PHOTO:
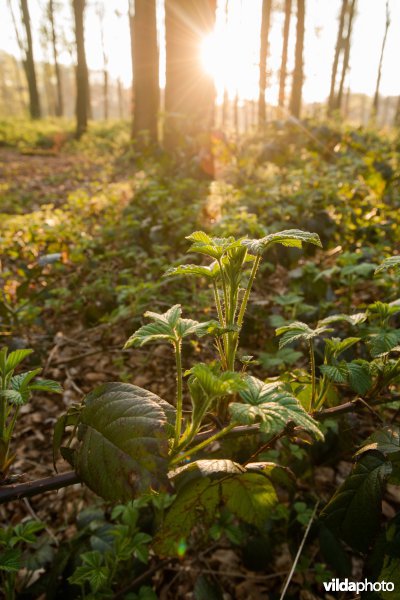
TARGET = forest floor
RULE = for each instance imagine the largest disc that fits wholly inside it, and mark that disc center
(85, 240)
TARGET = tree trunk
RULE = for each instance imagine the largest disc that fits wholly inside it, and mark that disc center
(265, 24)
(100, 14)
(338, 48)
(297, 85)
(60, 101)
(145, 73)
(82, 79)
(120, 99)
(29, 64)
(375, 104)
(225, 101)
(285, 44)
(189, 91)
(346, 56)
(397, 115)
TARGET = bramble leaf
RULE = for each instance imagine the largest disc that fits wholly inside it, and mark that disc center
(393, 262)
(382, 343)
(272, 408)
(124, 435)
(209, 271)
(298, 331)
(354, 510)
(385, 440)
(290, 237)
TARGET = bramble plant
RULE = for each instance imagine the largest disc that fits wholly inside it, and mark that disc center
(16, 390)
(130, 440)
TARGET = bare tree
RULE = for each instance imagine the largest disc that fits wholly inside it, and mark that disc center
(346, 55)
(338, 49)
(225, 101)
(82, 78)
(397, 114)
(60, 100)
(342, 51)
(189, 91)
(265, 26)
(100, 14)
(285, 44)
(375, 103)
(29, 64)
(145, 72)
(298, 76)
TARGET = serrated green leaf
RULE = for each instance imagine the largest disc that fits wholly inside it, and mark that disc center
(359, 378)
(360, 270)
(382, 343)
(199, 236)
(209, 271)
(212, 246)
(170, 317)
(250, 496)
(298, 331)
(355, 319)
(46, 385)
(15, 358)
(291, 237)
(15, 397)
(385, 440)
(354, 510)
(213, 469)
(22, 380)
(393, 262)
(124, 441)
(273, 409)
(336, 346)
(10, 560)
(216, 384)
(196, 502)
(337, 373)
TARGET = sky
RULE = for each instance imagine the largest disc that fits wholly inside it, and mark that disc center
(231, 54)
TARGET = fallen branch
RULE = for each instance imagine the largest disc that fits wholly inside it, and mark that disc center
(17, 491)
(55, 482)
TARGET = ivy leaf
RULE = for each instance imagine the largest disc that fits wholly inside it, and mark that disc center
(272, 408)
(209, 271)
(354, 511)
(382, 343)
(298, 331)
(385, 440)
(123, 436)
(290, 237)
(393, 262)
